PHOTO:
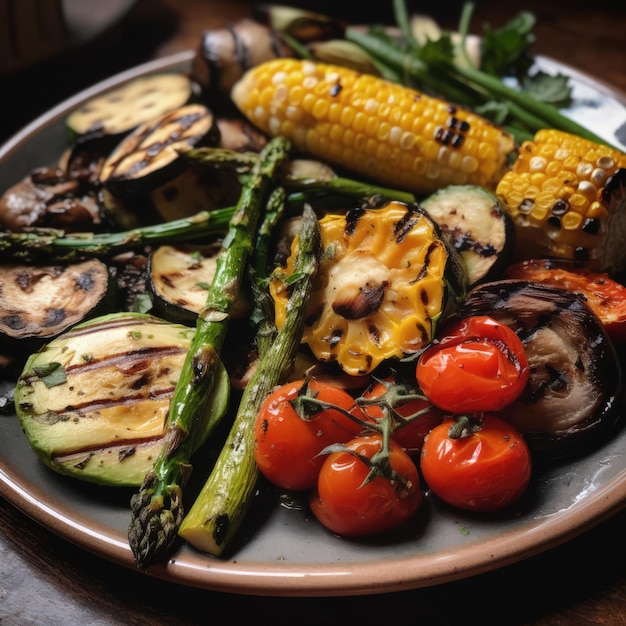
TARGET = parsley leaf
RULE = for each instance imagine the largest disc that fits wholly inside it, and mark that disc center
(504, 51)
(51, 374)
(553, 89)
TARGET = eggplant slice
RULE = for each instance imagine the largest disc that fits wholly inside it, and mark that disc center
(37, 303)
(574, 395)
(149, 157)
(121, 110)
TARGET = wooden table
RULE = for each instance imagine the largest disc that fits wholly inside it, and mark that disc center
(45, 580)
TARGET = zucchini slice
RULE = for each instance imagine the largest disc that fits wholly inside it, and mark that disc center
(94, 401)
(121, 110)
(38, 303)
(149, 156)
(476, 224)
(179, 279)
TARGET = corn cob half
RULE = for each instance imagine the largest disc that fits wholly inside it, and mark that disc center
(567, 198)
(392, 134)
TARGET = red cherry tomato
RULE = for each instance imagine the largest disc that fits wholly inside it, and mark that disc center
(287, 446)
(350, 507)
(604, 296)
(410, 435)
(478, 365)
(483, 471)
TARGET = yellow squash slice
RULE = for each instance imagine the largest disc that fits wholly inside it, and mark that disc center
(386, 278)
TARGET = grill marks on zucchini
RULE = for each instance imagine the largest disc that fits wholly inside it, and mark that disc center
(105, 422)
(179, 279)
(149, 156)
(477, 226)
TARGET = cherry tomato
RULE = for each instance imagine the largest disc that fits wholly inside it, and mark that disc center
(350, 507)
(483, 471)
(287, 446)
(478, 365)
(410, 435)
(604, 296)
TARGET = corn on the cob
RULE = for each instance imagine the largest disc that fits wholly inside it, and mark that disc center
(392, 134)
(566, 196)
(386, 279)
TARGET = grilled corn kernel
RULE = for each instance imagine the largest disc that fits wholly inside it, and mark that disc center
(390, 133)
(381, 288)
(565, 195)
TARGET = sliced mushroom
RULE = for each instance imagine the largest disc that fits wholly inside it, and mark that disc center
(47, 198)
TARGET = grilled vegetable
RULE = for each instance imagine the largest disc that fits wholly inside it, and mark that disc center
(46, 243)
(121, 110)
(148, 157)
(193, 191)
(219, 510)
(603, 295)
(48, 198)
(157, 509)
(40, 302)
(55, 244)
(179, 279)
(200, 188)
(239, 135)
(93, 402)
(574, 395)
(476, 225)
(393, 134)
(566, 196)
(504, 54)
(226, 53)
(387, 278)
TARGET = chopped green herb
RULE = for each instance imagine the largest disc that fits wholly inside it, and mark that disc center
(51, 374)
(142, 303)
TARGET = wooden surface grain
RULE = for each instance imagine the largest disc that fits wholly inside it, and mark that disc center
(46, 580)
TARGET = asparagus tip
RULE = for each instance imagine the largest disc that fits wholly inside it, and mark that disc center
(155, 520)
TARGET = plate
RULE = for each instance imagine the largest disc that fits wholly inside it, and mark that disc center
(283, 551)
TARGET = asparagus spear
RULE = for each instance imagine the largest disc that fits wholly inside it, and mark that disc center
(300, 188)
(157, 509)
(55, 244)
(47, 243)
(221, 505)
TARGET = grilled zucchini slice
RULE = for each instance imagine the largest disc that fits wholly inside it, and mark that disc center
(179, 279)
(119, 111)
(38, 303)
(149, 157)
(478, 227)
(94, 401)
